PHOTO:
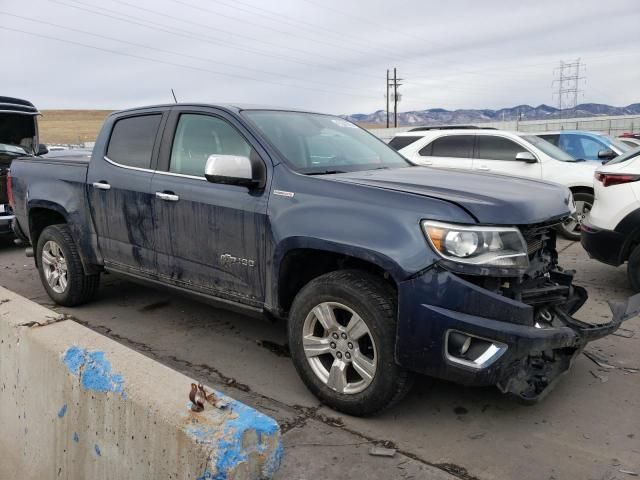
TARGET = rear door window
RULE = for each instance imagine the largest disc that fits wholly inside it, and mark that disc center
(497, 148)
(455, 146)
(398, 143)
(132, 140)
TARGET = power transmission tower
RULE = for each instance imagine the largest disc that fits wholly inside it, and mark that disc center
(568, 82)
(395, 96)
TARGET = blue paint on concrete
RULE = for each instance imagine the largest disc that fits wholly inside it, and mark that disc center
(74, 358)
(227, 449)
(207, 475)
(94, 370)
(97, 449)
(62, 411)
(76, 437)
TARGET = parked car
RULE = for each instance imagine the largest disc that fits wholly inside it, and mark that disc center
(381, 268)
(18, 136)
(633, 140)
(592, 146)
(508, 153)
(611, 232)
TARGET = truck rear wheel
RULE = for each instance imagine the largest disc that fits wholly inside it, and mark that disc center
(342, 330)
(61, 270)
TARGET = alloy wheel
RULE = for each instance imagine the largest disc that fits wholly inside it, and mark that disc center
(55, 267)
(339, 348)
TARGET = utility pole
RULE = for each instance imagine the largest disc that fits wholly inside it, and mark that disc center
(395, 98)
(568, 82)
(395, 83)
(387, 96)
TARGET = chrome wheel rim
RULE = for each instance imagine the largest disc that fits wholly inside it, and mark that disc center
(574, 222)
(54, 266)
(339, 348)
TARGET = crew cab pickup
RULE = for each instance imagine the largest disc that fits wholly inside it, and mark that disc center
(383, 269)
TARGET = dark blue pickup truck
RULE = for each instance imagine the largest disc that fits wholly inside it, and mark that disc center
(383, 269)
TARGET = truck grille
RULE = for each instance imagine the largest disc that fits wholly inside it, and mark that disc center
(535, 238)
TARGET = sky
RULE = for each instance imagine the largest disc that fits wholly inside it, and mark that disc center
(322, 55)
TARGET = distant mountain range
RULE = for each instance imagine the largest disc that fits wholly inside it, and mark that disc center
(434, 116)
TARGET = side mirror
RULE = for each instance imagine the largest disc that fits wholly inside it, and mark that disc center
(42, 149)
(526, 157)
(235, 170)
(607, 154)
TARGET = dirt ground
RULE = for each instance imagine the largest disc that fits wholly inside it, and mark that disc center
(70, 126)
(588, 428)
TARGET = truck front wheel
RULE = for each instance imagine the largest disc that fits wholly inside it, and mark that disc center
(61, 270)
(342, 330)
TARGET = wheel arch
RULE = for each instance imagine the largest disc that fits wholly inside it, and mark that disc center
(42, 214)
(307, 259)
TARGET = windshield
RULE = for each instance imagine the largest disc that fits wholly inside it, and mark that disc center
(313, 143)
(625, 156)
(548, 148)
(620, 145)
(12, 149)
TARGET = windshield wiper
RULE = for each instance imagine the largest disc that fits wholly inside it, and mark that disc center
(326, 172)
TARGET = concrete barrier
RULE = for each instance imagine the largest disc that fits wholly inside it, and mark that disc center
(75, 404)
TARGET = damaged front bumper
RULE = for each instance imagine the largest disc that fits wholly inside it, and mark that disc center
(453, 329)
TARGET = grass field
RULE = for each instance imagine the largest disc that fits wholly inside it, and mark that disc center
(79, 126)
(70, 126)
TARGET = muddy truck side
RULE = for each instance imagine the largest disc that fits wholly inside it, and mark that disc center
(384, 270)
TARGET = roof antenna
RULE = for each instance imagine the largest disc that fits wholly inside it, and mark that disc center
(174, 96)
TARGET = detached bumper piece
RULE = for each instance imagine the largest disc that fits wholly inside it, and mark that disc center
(537, 373)
(523, 349)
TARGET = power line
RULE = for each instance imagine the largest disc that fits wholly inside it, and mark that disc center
(187, 34)
(174, 64)
(179, 54)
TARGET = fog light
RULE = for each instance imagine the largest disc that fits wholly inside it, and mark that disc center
(459, 343)
(472, 351)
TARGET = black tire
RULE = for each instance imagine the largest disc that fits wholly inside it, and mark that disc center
(633, 269)
(571, 231)
(375, 302)
(80, 288)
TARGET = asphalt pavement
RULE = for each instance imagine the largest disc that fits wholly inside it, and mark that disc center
(587, 428)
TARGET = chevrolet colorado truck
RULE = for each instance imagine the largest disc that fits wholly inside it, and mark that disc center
(383, 269)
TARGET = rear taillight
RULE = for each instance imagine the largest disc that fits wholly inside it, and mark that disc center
(10, 191)
(609, 179)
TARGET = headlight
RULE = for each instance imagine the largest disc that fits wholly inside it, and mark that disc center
(478, 249)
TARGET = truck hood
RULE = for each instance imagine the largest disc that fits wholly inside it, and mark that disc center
(491, 199)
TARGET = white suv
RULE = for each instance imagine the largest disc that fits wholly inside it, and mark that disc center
(611, 231)
(507, 153)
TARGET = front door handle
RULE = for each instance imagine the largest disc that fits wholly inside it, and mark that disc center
(167, 196)
(483, 168)
(101, 185)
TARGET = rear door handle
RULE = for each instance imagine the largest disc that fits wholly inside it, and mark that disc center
(101, 185)
(169, 197)
(484, 168)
